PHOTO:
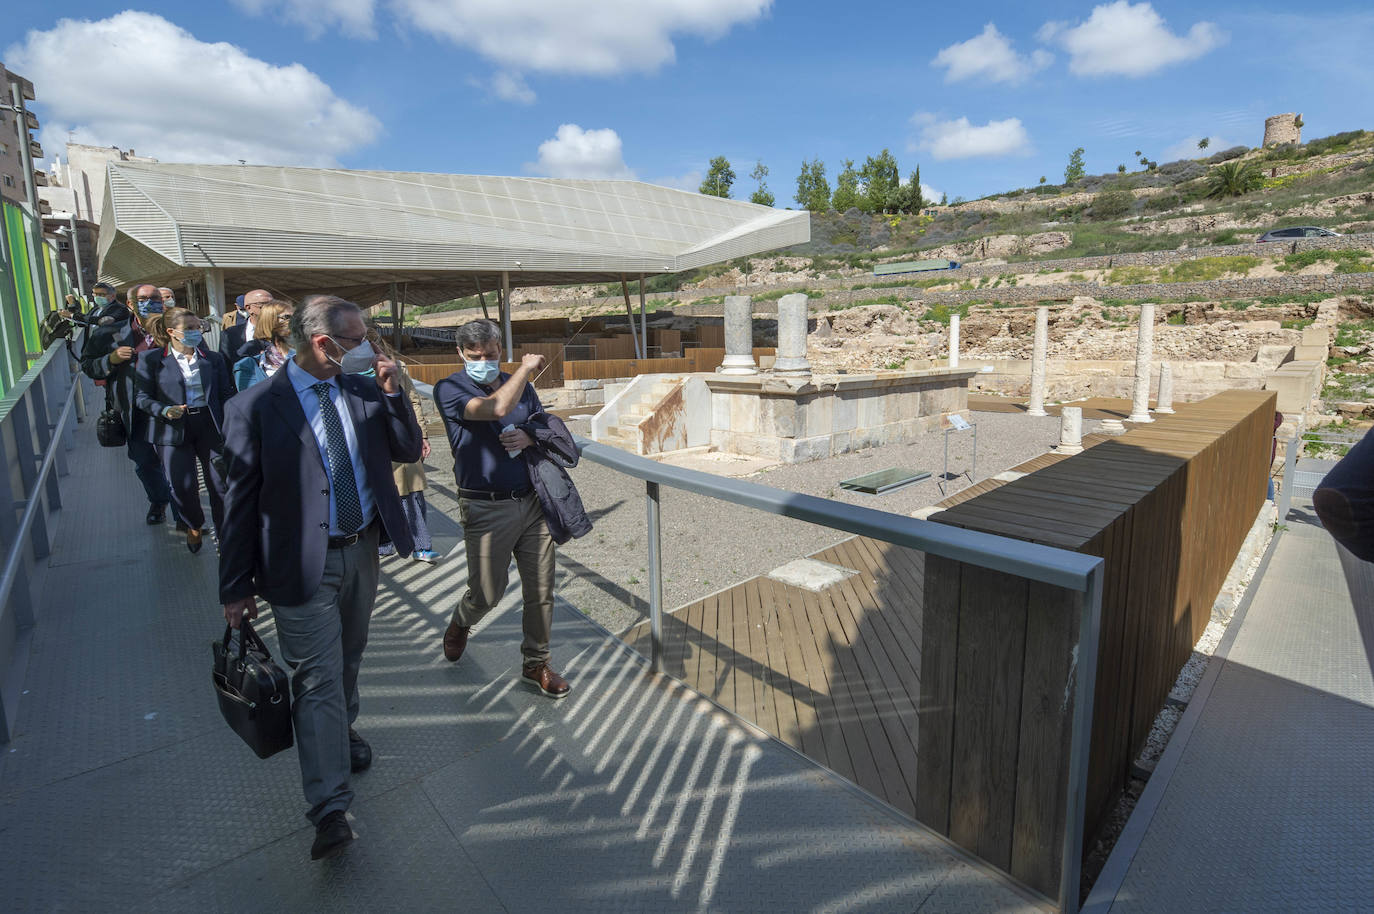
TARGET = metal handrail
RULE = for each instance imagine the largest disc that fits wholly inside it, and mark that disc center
(1059, 567)
(35, 500)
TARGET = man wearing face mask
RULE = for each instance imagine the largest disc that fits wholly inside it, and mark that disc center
(109, 354)
(497, 506)
(233, 337)
(310, 496)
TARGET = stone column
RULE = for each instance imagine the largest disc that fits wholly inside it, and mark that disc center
(954, 341)
(1071, 430)
(792, 314)
(1165, 402)
(739, 336)
(1042, 338)
(214, 292)
(1144, 345)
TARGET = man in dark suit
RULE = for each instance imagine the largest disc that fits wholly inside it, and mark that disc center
(109, 354)
(233, 336)
(310, 494)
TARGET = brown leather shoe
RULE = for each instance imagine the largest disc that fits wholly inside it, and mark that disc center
(543, 678)
(455, 640)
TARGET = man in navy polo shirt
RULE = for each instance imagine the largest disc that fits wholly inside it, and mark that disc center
(499, 510)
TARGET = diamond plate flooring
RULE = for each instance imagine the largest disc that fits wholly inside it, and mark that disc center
(1269, 807)
(124, 790)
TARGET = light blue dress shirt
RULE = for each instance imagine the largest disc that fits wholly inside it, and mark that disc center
(302, 381)
(191, 366)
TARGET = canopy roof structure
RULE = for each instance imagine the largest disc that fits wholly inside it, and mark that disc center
(353, 233)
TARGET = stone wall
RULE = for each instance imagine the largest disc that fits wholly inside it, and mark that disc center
(1203, 290)
(795, 421)
(1075, 379)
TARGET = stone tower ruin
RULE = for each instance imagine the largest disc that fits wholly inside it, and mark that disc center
(1282, 128)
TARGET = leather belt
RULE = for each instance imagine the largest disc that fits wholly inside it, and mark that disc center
(484, 495)
(196, 410)
(351, 539)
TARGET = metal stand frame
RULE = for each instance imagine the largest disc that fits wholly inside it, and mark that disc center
(971, 472)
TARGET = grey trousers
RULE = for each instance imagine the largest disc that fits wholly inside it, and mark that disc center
(493, 531)
(322, 640)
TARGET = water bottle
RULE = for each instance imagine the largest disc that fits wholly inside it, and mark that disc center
(511, 428)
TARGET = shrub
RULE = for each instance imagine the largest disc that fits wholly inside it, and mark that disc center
(1112, 204)
(1209, 268)
(1232, 179)
(1226, 155)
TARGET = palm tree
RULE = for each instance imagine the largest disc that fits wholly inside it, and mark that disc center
(1231, 179)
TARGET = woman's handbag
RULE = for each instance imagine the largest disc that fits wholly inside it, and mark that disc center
(254, 693)
(109, 425)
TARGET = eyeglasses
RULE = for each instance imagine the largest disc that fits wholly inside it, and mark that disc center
(351, 339)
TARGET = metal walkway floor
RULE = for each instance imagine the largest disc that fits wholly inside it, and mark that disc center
(124, 790)
(1263, 799)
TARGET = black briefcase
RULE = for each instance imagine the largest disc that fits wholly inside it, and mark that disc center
(254, 693)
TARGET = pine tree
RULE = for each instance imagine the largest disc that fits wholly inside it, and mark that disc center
(762, 196)
(846, 196)
(1074, 171)
(719, 177)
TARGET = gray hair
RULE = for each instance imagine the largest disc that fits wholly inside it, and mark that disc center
(477, 333)
(320, 314)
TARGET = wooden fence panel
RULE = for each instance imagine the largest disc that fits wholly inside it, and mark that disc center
(1167, 507)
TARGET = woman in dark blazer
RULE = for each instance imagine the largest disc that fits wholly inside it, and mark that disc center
(184, 386)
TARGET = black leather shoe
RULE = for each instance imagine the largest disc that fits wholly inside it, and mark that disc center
(332, 835)
(156, 514)
(359, 752)
(194, 540)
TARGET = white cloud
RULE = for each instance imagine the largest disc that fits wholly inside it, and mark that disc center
(577, 153)
(1125, 39)
(989, 56)
(507, 86)
(186, 100)
(352, 17)
(596, 37)
(689, 180)
(958, 139)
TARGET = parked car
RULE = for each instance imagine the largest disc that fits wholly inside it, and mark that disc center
(1298, 231)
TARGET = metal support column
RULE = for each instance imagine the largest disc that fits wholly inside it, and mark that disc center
(505, 316)
(630, 316)
(395, 319)
(643, 322)
(655, 579)
(76, 253)
(480, 297)
(214, 291)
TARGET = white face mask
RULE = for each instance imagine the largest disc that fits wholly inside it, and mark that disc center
(357, 360)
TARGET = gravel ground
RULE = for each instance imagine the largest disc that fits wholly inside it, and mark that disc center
(709, 545)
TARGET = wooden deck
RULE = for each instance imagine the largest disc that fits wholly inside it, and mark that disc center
(834, 674)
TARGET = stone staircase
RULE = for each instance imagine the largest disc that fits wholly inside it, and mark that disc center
(628, 432)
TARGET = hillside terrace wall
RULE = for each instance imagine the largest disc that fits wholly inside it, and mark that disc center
(1202, 290)
(837, 289)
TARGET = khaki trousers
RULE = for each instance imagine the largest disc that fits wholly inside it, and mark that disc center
(493, 531)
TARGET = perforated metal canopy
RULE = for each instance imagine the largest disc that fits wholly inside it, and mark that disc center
(355, 232)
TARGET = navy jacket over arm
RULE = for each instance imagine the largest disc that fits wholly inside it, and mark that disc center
(159, 383)
(276, 511)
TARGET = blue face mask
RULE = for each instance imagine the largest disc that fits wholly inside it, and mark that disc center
(148, 306)
(192, 338)
(101, 301)
(483, 372)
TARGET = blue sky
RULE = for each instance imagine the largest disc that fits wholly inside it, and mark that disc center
(984, 99)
